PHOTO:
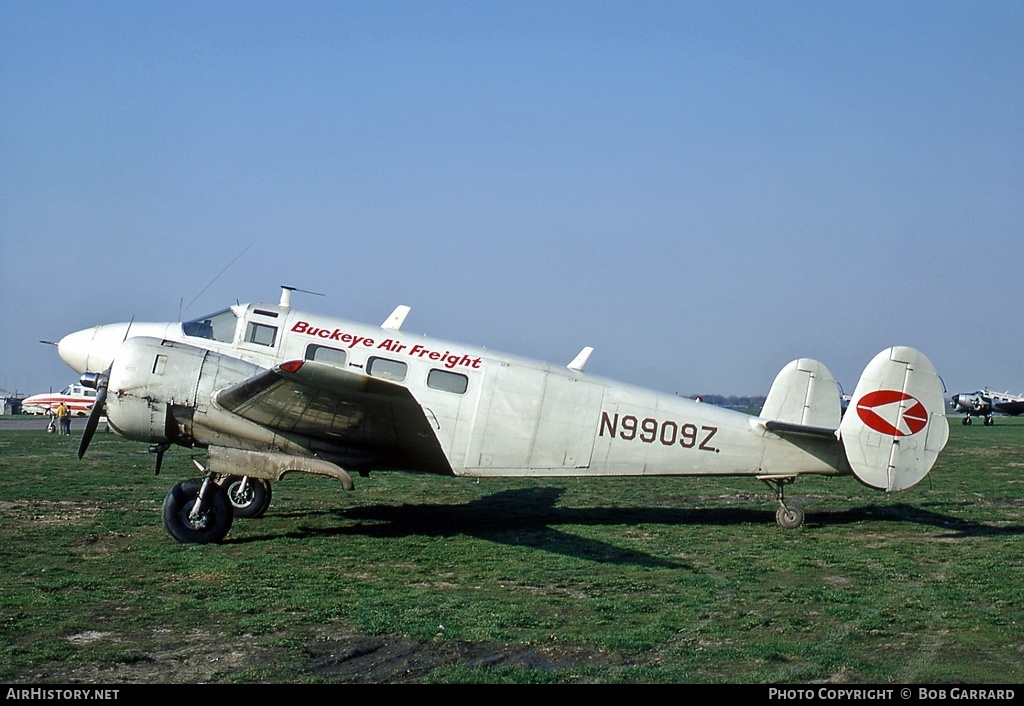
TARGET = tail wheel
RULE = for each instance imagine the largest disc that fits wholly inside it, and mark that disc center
(190, 521)
(249, 497)
(789, 517)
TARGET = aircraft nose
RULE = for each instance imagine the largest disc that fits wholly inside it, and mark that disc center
(74, 349)
(92, 349)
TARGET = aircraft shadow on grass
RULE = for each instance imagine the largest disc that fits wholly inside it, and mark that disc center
(529, 517)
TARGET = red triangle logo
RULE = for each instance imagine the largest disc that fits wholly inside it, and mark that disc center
(892, 412)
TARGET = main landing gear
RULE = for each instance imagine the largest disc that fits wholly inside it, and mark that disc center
(989, 420)
(249, 497)
(196, 511)
(788, 516)
(201, 510)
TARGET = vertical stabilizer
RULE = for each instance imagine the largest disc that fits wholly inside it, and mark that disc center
(806, 394)
(895, 425)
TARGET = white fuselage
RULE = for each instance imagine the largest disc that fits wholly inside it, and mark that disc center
(496, 414)
(77, 398)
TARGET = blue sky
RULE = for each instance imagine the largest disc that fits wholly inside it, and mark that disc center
(703, 191)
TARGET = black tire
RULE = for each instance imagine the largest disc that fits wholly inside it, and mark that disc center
(249, 497)
(216, 519)
(789, 517)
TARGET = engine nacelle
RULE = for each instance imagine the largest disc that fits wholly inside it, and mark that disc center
(153, 389)
(969, 402)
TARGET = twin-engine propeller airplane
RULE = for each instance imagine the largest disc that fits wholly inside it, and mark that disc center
(78, 399)
(268, 390)
(986, 404)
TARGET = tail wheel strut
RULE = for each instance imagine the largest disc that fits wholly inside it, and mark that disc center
(788, 516)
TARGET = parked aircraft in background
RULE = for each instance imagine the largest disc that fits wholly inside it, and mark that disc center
(77, 397)
(987, 404)
(268, 390)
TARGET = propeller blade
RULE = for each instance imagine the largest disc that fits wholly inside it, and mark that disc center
(94, 420)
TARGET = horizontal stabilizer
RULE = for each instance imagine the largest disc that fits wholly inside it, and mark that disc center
(785, 428)
(895, 425)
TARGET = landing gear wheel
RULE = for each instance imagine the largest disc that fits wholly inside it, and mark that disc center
(184, 523)
(789, 517)
(966, 421)
(989, 421)
(249, 497)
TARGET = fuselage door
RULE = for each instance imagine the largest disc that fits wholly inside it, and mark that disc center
(532, 418)
(569, 418)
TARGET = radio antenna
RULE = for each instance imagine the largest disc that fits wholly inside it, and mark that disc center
(181, 312)
(286, 295)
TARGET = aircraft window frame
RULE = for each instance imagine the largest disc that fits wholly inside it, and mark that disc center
(331, 358)
(455, 383)
(213, 327)
(257, 333)
(387, 368)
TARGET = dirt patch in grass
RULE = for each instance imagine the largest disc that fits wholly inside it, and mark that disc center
(203, 656)
(43, 513)
(396, 658)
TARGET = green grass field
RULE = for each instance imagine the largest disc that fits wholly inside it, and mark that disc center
(414, 578)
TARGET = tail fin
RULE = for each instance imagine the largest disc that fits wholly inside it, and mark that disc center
(895, 425)
(805, 394)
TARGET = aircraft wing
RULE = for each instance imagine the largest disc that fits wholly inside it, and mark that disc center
(1011, 407)
(351, 412)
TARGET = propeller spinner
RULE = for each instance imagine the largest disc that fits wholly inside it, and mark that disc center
(98, 382)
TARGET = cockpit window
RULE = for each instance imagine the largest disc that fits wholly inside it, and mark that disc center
(216, 327)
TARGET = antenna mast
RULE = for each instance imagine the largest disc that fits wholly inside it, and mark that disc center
(286, 295)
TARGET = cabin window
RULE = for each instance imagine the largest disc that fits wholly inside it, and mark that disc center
(216, 327)
(447, 381)
(326, 355)
(260, 334)
(387, 369)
